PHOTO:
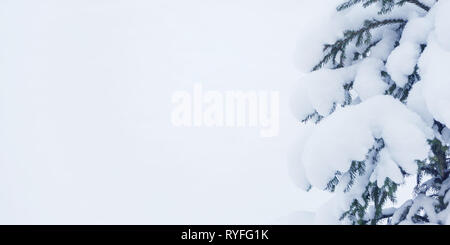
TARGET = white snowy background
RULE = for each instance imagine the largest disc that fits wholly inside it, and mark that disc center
(85, 103)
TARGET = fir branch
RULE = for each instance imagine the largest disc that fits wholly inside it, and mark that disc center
(417, 3)
(386, 5)
(362, 36)
(366, 52)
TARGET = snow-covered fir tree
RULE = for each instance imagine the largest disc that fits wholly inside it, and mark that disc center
(379, 94)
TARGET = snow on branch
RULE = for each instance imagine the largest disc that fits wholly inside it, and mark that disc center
(386, 5)
(362, 36)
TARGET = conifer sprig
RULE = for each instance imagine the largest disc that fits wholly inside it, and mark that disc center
(362, 36)
(386, 5)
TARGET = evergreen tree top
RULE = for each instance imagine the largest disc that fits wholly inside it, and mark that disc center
(376, 97)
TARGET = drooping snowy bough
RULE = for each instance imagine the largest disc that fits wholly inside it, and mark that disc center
(380, 96)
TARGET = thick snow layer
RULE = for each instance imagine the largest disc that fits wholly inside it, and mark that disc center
(435, 73)
(386, 168)
(402, 61)
(416, 102)
(321, 90)
(348, 134)
(368, 81)
(425, 203)
(385, 46)
(417, 30)
(400, 212)
(442, 24)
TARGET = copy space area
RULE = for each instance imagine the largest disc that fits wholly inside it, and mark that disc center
(85, 112)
